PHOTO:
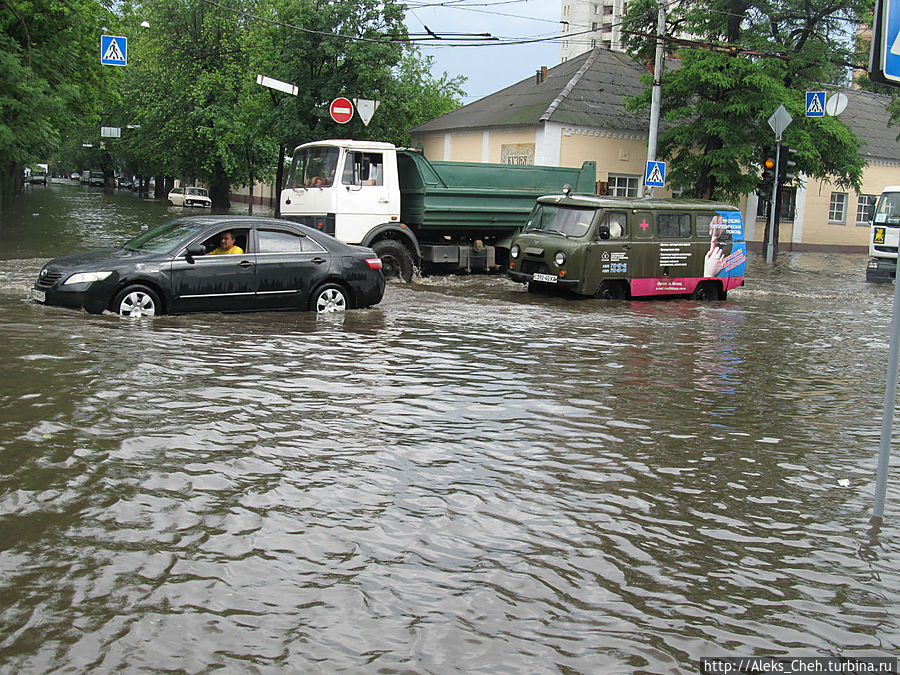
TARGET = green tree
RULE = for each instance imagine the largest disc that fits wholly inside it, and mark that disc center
(52, 81)
(740, 59)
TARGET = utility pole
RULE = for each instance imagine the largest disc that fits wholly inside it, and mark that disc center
(656, 93)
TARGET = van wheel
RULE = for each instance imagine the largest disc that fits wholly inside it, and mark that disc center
(706, 291)
(136, 302)
(611, 290)
(396, 260)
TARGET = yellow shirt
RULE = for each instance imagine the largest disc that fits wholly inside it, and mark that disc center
(222, 251)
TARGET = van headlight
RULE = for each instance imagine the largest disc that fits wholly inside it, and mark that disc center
(86, 277)
(514, 251)
(560, 258)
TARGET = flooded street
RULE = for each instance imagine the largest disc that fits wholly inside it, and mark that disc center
(464, 478)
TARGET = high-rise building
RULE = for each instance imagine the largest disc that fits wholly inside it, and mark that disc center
(585, 24)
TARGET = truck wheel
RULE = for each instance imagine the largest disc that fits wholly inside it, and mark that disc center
(396, 261)
(611, 290)
(706, 291)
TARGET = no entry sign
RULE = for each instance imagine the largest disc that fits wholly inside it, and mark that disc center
(341, 110)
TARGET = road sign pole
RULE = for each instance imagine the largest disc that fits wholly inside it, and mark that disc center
(890, 401)
(773, 202)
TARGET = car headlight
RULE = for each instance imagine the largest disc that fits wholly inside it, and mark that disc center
(86, 277)
(560, 258)
(514, 251)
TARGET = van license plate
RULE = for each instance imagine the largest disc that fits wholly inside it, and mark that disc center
(40, 296)
(547, 278)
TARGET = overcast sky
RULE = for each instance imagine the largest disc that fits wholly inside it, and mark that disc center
(488, 68)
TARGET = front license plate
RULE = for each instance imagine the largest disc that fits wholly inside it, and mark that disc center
(547, 278)
(40, 296)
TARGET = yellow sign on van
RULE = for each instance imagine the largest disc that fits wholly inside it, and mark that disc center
(878, 237)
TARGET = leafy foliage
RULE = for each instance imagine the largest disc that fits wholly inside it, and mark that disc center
(188, 103)
(51, 80)
(740, 60)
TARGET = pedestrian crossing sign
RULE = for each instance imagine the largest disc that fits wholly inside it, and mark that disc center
(113, 50)
(655, 175)
(815, 104)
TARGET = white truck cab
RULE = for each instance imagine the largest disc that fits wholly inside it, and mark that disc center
(884, 237)
(343, 187)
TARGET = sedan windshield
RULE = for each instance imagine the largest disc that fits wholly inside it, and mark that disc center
(567, 221)
(196, 191)
(165, 238)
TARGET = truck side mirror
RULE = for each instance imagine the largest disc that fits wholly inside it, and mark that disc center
(603, 231)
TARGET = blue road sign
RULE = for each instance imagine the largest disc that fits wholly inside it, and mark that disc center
(113, 50)
(890, 39)
(815, 104)
(655, 176)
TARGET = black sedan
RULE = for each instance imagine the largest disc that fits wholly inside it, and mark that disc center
(175, 268)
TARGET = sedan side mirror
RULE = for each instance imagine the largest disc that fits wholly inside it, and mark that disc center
(194, 250)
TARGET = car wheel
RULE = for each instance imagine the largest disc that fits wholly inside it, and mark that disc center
(329, 298)
(396, 260)
(136, 302)
(611, 290)
(706, 291)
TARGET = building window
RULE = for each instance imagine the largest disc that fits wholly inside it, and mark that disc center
(837, 210)
(624, 186)
(596, 9)
(593, 43)
(565, 10)
(594, 25)
(788, 205)
(865, 209)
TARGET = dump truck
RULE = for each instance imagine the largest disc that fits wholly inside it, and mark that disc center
(438, 217)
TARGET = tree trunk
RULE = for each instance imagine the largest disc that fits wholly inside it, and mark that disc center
(12, 182)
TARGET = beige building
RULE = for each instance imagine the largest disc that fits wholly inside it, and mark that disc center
(575, 112)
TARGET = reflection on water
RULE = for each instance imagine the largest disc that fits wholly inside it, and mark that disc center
(466, 477)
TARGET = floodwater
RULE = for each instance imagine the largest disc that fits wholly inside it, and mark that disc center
(465, 478)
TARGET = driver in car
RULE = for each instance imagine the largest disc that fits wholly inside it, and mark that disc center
(226, 245)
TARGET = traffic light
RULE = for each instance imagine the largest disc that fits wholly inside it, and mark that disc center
(768, 165)
(786, 165)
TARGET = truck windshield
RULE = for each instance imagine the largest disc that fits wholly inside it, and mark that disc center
(568, 221)
(312, 167)
(887, 212)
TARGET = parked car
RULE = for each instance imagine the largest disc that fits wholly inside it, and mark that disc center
(172, 269)
(190, 196)
(96, 179)
(75, 176)
(123, 182)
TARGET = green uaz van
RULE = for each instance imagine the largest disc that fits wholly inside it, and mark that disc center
(619, 248)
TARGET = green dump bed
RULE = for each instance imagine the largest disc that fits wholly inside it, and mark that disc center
(457, 196)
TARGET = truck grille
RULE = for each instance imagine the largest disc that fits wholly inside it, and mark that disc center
(532, 266)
